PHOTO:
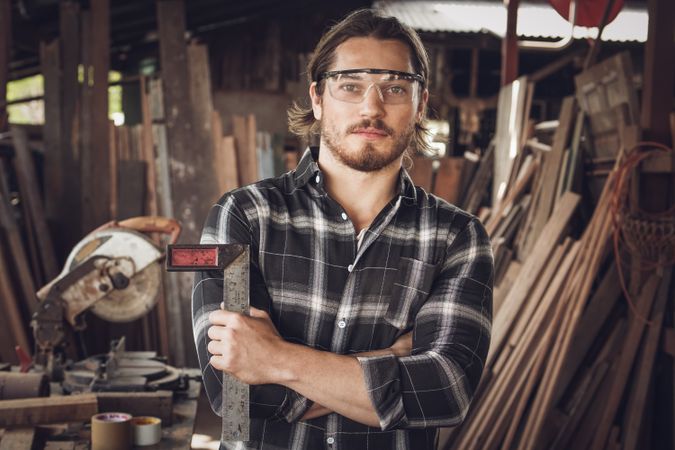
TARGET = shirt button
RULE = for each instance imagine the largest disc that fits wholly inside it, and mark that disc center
(330, 440)
(317, 179)
(342, 323)
(344, 216)
(350, 268)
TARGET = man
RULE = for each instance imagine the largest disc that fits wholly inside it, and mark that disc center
(371, 300)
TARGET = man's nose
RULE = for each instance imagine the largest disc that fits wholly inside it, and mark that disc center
(373, 102)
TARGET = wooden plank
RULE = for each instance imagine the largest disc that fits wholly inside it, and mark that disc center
(34, 411)
(522, 182)
(158, 404)
(505, 284)
(448, 179)
(12, 321)
(97, 174)
(5, 57)
(476, 191)
(635, 329)
(224, 158)
(148, 151)
(635, 409)
(243, 129)
(532, 267)
(114, 146)
(594, 317)
(18, 439)
(508, 134)
(538, 292)
(193, 187)
(588, 394)
(28, 184)
(17, 253)
(545, 199)
(131, 191)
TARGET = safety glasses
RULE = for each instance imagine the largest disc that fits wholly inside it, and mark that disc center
(353, 85)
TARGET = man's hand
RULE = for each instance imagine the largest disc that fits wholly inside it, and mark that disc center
(245, 346)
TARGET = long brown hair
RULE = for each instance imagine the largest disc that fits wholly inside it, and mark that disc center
(361, 23)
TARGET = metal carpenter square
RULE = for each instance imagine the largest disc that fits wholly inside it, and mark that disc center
(235, 409)
(233, 260)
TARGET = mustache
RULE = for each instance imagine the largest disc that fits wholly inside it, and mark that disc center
(377, 124)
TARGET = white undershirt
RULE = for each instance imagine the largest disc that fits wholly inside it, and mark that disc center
(359, 238)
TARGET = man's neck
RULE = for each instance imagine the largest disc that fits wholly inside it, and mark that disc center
(362, 194)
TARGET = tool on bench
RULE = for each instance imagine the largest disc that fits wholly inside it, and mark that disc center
(233, 260)
(115, 271)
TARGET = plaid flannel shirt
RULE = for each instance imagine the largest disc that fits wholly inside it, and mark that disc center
(423, 265)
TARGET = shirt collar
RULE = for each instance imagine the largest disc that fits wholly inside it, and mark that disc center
(308, 169)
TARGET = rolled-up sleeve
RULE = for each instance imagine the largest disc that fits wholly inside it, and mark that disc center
(226, 224)
(451, 336)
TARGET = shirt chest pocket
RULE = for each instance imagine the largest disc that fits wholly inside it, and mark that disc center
(410, 290)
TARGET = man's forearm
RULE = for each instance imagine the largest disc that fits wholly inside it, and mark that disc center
(333, 381)
(318, 410)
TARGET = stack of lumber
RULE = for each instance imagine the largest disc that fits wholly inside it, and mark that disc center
(27, 256)
(570, 364)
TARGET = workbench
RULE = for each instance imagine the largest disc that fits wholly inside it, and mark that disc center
(76, 435)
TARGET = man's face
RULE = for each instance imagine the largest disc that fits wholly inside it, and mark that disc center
(368, 135)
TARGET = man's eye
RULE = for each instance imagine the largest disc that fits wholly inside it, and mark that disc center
(350, 87)
(396, 90)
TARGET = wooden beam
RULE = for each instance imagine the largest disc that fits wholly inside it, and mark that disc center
(28, 184)
(626, 360)
(659, 71)
(35, 411)
(190, 199)
(5, 57)
(96, 169)
(510, 44)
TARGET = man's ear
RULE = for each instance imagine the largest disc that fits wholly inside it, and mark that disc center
(316, 101)
(421, 107)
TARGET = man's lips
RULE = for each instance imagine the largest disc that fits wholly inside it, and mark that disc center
(372, 133)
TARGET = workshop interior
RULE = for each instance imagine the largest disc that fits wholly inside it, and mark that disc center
(123, 121)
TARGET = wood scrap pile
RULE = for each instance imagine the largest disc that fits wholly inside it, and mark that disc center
(570, 363)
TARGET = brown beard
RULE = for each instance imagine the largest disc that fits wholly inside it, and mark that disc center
(369, 159)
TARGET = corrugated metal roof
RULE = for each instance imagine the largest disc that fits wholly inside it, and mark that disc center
(535, 20)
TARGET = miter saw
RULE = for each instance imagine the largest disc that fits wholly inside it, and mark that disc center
(115, 272)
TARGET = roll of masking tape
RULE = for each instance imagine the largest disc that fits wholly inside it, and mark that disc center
(147, 430)
(111, 431)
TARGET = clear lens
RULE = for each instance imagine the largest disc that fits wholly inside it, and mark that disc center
(354, 87)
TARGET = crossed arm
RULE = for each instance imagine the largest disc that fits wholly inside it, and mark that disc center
(251, 349)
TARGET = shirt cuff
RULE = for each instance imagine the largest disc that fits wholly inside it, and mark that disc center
(383, 383)
(294, 407)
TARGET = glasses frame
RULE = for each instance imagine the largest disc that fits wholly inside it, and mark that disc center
(413, 76)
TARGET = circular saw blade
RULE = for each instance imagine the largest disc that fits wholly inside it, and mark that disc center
(133, 302)
(139, 297)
